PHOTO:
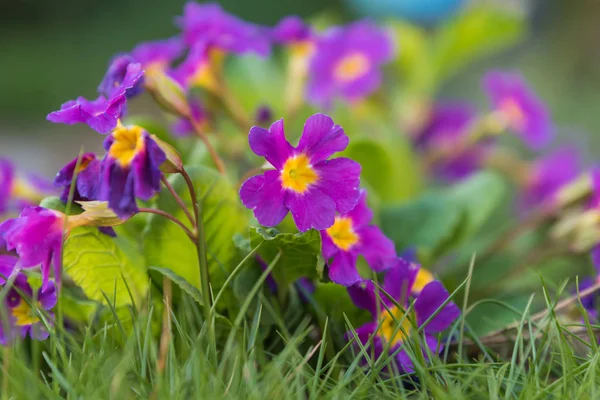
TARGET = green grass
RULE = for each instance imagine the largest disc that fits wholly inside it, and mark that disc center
(297, 357)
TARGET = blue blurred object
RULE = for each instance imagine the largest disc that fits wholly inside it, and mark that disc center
(424, 11)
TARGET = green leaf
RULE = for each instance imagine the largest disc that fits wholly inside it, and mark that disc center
(424, 223)
(388, 167)
(334, 301)
(167, 246)
(478, 197)
(476, 33)
(181, 282)
(301, 253)
(98, 264)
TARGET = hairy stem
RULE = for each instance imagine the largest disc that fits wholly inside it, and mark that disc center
(178, 199)
(168, 216)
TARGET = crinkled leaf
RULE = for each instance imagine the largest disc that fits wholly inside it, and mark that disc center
(98, 264)
(300, 253)
(167, 246)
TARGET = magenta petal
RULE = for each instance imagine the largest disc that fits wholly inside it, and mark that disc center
(312, 209)
(363, 296)
(321, 138)
(271, 143)
(47, 297)
(376, 248)
(429, 300)
(399, 279)
(340, 179)
(329, 248)
(361, 214)
(342, 269)
(264, 195)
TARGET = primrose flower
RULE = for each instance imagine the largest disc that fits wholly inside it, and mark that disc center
(351, 236)
(292, 30)
(22, 318)
(547, 176)
(390, 327)
(120, 77)
(157, 55)
(130, 169)
(518, 108)
(210, 24)
(447, 128)
(347, 62)
(87, 178)
(304, 181)
(17, 191)
(36, 236)
(7, 266)
(103, 113)
(199, 68)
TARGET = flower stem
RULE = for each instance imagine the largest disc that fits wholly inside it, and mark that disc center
(165, 336)
(211, 150)
(168, 216)
(178, 199)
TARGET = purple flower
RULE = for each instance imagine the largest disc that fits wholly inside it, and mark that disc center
(36, 236)
(519, 108)
(389, 326)
(23, 320)
(130, 169)
(17, 192)
(447, 128)
(292, 30)
(594, 201)
(547, 176)
(122, 76)
(199, 68)
(87, 178)
(210, 24)
(158, 54)
(304, 181)
(7, 266)
(347, 63)
(103, 113)
(352, 235)
(183, 127)
(264, 115)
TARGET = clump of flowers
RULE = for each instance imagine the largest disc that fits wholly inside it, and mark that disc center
(186, 189)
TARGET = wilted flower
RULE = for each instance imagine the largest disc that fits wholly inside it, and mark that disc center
(36, 236)
(390, 326)
(103, 113)
(446, 136)
(351, 236)
(547, 176)
(17, 191)
(210, 24)
(304, 181)
(347, 63)
(130, 169)
(86, 185)
(22, 319)
(518, 108)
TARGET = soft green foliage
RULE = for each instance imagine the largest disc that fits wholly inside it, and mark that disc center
(167, 246)
(437, 222)
(300, 253)
(101, 265)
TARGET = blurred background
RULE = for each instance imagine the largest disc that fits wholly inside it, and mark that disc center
(55, 51)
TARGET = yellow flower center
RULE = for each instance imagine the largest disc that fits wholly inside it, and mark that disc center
(351, 67)
(389, 330)
(24, 315)
(513, 113)
(422, 279)
(23, 190)
(342, 234)
(128, 142)
(206, 74)
(298, 174)
(302, 49)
